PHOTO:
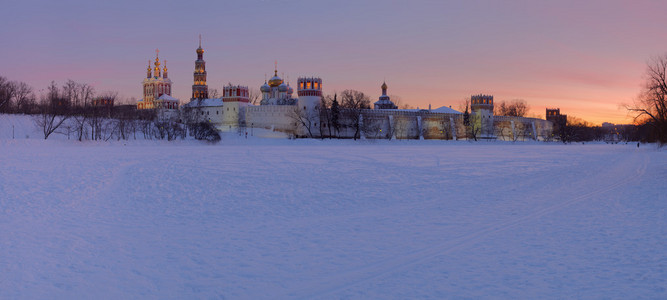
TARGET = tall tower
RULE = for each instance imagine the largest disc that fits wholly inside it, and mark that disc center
(235, 100)
(309, 90)
(482, 108)
(559, 121)
(199, 88)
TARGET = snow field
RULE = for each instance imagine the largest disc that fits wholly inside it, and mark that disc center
(333, 219)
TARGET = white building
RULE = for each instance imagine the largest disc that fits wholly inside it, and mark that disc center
(280, 111)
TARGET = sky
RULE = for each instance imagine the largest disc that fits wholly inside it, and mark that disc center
(585, 57)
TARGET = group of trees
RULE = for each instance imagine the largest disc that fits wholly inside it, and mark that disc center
(649, 112)
(331, 115)
(16, 97)
(650, 108)
(512, 108)
(340, 115)
(77, 111)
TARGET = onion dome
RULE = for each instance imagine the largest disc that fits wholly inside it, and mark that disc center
(290, 90)
(283, 87)
(275, 81)
(384, 86)
(265, 88)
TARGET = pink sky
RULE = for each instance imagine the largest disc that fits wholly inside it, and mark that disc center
(586, 58)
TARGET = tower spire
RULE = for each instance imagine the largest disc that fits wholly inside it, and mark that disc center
(275, 71)
(157, 63)
(199, 87)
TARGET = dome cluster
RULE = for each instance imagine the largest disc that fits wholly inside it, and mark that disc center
(276, 91)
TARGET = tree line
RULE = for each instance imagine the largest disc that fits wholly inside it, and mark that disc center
(76, 110)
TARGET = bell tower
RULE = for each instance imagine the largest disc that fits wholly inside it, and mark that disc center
(200, 88)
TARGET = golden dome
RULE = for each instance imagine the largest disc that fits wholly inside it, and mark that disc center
(384, 86)
(200, 50)
(275, 80)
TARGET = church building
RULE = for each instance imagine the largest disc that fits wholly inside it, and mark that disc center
(276, 91)
(157, 88)
(384, 102)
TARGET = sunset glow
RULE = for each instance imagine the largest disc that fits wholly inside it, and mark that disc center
(586, 58)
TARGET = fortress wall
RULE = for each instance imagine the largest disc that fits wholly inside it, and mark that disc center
(275, 117)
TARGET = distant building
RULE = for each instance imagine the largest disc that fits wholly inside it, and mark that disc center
(102, 102)
(199, 88)
(384, 102)
(300, 114)
(157, 88)
(559, 121)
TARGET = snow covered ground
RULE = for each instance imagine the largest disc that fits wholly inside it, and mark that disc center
(275, 219)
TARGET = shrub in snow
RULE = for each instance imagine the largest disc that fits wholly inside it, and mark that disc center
(206, 131)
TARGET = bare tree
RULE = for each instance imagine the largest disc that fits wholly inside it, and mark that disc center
(504, 130)
(372, 127)
(254, 95)
(81, 95)
(304, 119)
(7, 92)
(213, 93)
(325, 115)
(472, 122)
(398, 101)
(354, 102)
(651, 106)
(25, 98)
(513, 108)
(54, 111)
(97, 118)
(335, 115)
